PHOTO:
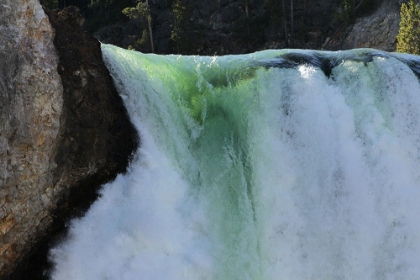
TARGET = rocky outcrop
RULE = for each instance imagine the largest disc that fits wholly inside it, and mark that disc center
(31, 105)
(64, 130)
(378, 31)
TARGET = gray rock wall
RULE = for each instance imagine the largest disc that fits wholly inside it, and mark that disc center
(30, 107)
(63, 130)
(377, 31)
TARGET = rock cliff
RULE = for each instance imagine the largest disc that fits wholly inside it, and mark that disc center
(63, 128)
(31, 105)
(378, 30)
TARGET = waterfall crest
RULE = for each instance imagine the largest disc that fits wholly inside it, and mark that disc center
(279, 164)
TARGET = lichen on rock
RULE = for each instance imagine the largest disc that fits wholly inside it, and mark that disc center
(30, 108)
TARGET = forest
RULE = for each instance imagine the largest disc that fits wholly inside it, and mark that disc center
(218, 26)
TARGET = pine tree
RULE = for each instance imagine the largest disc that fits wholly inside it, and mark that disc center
(408, 39)
(99, 13)
(142, 12)
(178, 24)
(277, 11)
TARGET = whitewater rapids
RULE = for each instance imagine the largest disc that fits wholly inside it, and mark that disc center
(274, 165)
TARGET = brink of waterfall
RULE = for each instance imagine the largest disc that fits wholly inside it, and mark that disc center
(280, 164)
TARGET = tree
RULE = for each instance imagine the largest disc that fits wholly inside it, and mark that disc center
(292, 23)
(99, 13)
(142, 12)
(277, 12)
(286, 34)
(246, 4)
(408, 39)
(179, 24)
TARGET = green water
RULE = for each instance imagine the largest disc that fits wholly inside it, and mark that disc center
(275, 165)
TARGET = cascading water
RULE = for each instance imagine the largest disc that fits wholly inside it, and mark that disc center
(273, 165)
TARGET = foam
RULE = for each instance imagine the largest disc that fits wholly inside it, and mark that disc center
(249, 171)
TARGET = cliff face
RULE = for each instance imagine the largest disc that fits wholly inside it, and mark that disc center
(64, 131)
(377, 31)
(31, 105)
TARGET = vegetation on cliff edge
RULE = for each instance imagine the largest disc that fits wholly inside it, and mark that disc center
(408, 39)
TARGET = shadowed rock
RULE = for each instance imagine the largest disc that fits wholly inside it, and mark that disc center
(91, 142)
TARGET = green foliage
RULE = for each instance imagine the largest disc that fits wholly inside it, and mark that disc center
(140, 12)
(179, 25)
(142, 42)
(49, 4)
(345, 11)
(348, 9)
(409, 34)
(100, 13)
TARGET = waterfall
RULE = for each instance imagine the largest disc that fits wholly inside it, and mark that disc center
(281, 164)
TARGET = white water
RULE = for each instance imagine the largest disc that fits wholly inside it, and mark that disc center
(258, 173)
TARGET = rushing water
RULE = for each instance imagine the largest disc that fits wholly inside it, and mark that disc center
(273, 165)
